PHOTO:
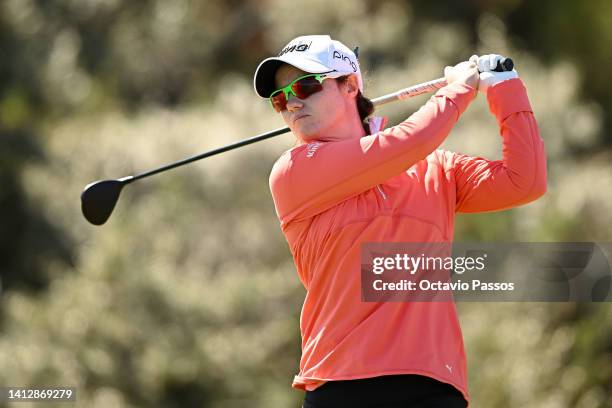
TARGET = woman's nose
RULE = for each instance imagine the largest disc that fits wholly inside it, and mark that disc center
(294, 103)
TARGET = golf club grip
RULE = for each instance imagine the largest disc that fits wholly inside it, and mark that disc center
(504, 64)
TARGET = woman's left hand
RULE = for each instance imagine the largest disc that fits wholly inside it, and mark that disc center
(465, 72)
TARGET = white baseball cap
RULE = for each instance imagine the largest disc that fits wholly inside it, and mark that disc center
(315, 54)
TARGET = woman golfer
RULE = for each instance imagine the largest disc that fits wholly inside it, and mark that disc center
(349, 182)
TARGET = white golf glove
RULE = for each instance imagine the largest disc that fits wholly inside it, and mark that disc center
(486, 64)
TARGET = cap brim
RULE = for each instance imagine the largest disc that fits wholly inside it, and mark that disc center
(264, 80)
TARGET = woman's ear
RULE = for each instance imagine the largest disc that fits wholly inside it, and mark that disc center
(351, 85)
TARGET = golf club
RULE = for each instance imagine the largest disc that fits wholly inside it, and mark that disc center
(99, 198)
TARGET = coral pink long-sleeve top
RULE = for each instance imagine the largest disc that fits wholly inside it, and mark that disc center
(394, 185)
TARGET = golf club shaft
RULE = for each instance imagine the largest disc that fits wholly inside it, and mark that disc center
(505, 64)
(129, 179)
(425, 87)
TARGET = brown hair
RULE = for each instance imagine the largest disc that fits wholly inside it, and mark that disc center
(365, 107)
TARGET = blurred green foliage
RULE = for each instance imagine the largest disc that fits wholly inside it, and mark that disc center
(188, 295)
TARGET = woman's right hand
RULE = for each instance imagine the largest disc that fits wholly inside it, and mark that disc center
(465, 72)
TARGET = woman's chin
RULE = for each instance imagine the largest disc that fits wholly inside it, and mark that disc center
(305, 133)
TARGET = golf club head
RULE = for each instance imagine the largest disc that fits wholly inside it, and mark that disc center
(98, 200)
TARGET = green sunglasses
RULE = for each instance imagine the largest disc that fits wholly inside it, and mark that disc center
(301, 88)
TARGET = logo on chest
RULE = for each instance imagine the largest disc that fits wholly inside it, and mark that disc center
(312, 148)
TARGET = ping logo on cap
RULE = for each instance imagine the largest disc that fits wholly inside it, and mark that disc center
(295, 47)
(338, 54)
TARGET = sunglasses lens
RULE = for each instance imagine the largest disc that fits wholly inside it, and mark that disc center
(306, 87)
(302, 88)
(279, 102)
